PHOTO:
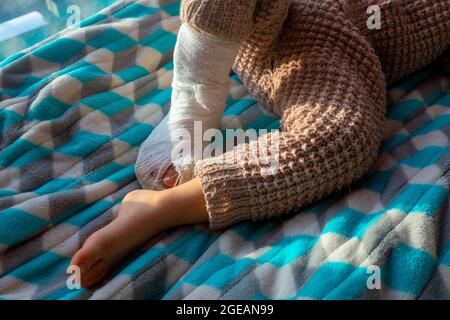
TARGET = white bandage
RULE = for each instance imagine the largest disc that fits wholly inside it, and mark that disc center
(202, 65)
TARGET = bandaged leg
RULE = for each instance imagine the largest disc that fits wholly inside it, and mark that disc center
(202, 64)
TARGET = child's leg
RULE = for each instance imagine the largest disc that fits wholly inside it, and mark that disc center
(202, 64)
(142, 215)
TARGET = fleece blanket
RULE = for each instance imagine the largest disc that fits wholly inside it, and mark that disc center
(74, 110)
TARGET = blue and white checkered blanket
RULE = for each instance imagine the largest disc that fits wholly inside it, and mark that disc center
(74, 110)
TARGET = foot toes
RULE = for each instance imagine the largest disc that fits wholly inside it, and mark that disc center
(94, 275)
(87, 256)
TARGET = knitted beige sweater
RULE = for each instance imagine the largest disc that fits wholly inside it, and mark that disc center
(318, 66)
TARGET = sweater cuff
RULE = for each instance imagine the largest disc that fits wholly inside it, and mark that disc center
(234, 191)
(227, 200)
(227, 19)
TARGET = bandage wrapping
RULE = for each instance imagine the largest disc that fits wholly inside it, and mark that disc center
(202, 65)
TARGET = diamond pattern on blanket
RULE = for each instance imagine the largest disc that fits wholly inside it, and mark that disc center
(74, 110)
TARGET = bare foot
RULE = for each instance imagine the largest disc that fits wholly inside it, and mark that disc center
(142, 215)
(138, 220)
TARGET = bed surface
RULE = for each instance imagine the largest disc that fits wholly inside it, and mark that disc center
(74, 110)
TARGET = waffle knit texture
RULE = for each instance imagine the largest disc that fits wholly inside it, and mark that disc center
(318, 66)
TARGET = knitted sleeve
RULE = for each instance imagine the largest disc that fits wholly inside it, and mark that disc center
(330, 92)
(324, 76)
(325, 150)
(230, 19)
(412, 33)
